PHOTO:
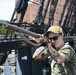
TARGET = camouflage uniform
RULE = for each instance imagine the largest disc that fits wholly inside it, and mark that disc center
(66, 68)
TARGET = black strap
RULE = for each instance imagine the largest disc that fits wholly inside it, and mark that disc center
(50, 54)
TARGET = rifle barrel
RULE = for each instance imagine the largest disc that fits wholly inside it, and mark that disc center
(18, 29)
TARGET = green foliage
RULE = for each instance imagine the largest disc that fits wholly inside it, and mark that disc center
(3, 30)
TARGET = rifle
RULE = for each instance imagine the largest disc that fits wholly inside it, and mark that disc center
(18, 29)
(21, 30)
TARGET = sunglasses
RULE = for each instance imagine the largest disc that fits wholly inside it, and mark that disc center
(53, 38)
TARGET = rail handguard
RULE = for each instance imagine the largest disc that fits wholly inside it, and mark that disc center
(18, 29)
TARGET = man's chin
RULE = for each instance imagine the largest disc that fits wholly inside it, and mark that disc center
(56, 46)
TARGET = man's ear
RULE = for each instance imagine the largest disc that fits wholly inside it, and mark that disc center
(62, 35)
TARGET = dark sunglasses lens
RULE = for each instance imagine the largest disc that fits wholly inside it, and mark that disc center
(53, 38)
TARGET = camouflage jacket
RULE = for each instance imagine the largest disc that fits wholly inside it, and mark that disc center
(69, 66)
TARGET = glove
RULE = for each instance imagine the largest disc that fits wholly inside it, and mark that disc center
(49, 45)
(52, 50)
(38, 51)
(40, 39)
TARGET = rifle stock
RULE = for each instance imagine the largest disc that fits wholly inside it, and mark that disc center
(18, 29)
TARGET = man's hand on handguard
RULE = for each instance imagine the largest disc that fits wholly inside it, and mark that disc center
(40, 39)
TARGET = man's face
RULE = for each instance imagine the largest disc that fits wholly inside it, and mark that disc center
(55, 39)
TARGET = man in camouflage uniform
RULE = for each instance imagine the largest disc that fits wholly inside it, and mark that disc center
(63, 57)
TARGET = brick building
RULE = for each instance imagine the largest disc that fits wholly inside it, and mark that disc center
(32, 9)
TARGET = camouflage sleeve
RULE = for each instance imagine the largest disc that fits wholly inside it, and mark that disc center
(44, 54)
(67, 52)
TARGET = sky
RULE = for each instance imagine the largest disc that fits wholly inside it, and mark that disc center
(6, 9)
